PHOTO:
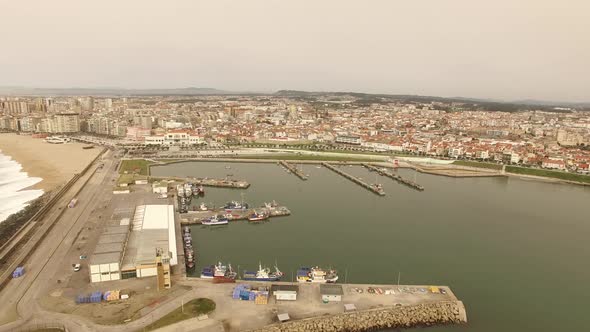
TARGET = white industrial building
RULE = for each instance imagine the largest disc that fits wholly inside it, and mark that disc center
(152, 227)
(174, 137)
(331, 292)
(105, 262)
(129, 250)
(285, 292)
(354, 140)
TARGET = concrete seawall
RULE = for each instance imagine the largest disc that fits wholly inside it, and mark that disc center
(428, 314)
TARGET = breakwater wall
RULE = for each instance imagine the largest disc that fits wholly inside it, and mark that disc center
(427, 314)
(374, 188)
(293, 170)
(395, 177)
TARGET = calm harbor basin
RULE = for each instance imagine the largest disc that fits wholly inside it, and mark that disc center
(514, 251)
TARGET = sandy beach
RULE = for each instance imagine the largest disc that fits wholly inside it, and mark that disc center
(54, 163)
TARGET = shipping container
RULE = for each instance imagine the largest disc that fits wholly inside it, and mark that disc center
(96, 297)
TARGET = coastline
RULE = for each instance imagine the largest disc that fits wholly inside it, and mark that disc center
(53, 163)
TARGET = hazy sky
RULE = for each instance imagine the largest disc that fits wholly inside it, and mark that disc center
(508, 49)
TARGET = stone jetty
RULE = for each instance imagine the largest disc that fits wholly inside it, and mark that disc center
(393, 317)
(375, 188)
(395, 177)
(293, 169)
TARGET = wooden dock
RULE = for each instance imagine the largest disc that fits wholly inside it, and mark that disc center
(395, 177)
(197, 216)
(219, 183)
(373, 188)
(293, 170)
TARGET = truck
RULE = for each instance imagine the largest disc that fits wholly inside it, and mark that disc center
(73, 203)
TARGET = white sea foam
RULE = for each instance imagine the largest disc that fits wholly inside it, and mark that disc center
(13, 181)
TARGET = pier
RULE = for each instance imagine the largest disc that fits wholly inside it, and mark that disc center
(219, 183)
(395, 177)
(197, 216)
(374, 188)
(293, 169)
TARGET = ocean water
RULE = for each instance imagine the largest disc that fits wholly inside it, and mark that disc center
(13, 183)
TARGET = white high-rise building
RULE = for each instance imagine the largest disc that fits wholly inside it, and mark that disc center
(67, 122)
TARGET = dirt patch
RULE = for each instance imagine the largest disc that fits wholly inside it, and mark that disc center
(140, 303)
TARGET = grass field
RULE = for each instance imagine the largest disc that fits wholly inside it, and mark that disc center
(137, 166)
(191, 309)
(307, 157)
(477, 164)
(548, 174)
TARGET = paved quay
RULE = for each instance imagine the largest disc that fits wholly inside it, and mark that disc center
(205, 182)
(245, 315)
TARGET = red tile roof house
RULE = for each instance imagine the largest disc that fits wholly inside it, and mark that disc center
(553, 164)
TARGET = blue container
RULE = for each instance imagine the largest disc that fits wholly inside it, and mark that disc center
(96, 297)
(83, 299)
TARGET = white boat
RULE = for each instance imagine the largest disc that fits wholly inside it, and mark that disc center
(188, 191)
(214, 220)
(180, 190)
(203, 207)
(316, 275)
(57, 140)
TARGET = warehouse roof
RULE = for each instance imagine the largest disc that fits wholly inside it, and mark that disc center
(116, 230)
(278, 287)
(112, 238)
(105, 258)
(153, 227)
(108, 247)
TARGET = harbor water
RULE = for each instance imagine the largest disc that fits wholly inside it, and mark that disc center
(515, 251)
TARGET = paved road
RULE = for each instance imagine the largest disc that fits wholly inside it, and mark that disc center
(19, 296)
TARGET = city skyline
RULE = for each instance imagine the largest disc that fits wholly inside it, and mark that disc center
(503, 51)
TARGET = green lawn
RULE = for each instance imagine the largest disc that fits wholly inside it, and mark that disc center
(549, 174)
(192, 309)
(137, 166)
(477, 164)
(306, 157)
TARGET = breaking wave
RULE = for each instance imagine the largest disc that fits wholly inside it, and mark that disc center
(13, 183)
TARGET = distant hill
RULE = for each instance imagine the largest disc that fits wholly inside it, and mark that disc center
(23, 91)
(490, 104)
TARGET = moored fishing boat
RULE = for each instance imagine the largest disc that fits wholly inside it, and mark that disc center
(263, 274)
(234, 205)
(215, 220)
(258, 216)
(316, 275)
(224, 274)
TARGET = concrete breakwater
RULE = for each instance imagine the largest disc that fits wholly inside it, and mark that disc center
(427, 314)
(375, 188)
(293, 169)
(395, 177)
